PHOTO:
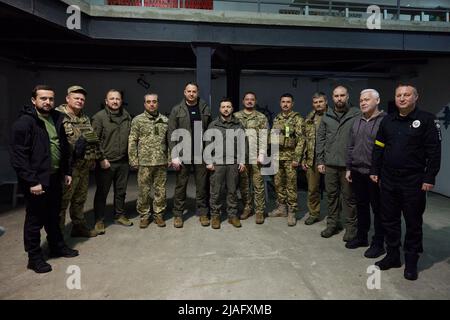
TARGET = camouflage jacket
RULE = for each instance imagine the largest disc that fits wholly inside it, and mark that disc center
(290, 137)
(147, 143)
(256, 120)
(311, 124)
(83, 141)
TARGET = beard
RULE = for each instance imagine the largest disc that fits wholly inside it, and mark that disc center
(43, 111)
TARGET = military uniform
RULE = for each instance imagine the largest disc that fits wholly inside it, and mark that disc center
(256, 120)
(311, 126)
(147, 150)
(226, 174)
(84, 146)
(291, 141)
(112, 128)
(407, 153)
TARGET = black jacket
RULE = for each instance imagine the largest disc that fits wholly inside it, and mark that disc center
(30, 148)
(408, 145)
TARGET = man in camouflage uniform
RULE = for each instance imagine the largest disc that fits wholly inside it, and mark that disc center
(84, 145)
(252, 119)
(291, 141)
(147, 152)
(311, 126)
(112, 126)
(226, 167)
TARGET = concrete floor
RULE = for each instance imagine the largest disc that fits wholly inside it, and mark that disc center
(269, 261)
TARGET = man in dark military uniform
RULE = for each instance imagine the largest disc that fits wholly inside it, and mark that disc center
(406, 160)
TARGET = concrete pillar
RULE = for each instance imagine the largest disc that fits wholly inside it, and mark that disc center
(233, 83)
(203, 53)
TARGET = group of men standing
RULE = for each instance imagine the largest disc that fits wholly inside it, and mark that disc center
(351, 147)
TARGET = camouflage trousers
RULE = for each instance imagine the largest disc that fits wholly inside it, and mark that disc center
(253, 172)
(285, 181)
(313, 177)
(76, 195)
(148, 177)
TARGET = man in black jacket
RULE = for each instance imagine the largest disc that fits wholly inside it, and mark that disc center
(40, 156)
(406, 160)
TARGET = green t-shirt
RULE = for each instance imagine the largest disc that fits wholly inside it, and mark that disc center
(55, 149)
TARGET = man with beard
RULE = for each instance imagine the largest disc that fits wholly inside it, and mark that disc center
(112, 126)
(191, 112)
(225, 168)
(291, 142)
(332, 140)
(41, 158)
(253, 121)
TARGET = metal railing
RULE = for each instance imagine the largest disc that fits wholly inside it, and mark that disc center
(345, 9)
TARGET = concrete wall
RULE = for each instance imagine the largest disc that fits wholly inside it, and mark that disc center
(16, 84)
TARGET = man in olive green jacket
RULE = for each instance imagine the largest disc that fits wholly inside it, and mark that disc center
(112, 126)
(311, 127)
(331, 146)
(190, 113)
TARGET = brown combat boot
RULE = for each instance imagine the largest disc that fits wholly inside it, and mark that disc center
(291, 219)
(100, 227)
(234, 220)
(279, 211)
(204, 220)
(246, 213)
(145, 221)
(178, 222)
(259, 218)
(159, 220)
(215, 221)
(82, 231)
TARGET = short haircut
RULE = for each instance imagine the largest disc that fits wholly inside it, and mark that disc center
(374, 93)
(40, 87)
(287, 95)
(319, 94)
(113, 90)
(248, 92)
(341, 86)
(191, 83)
(151, 94)
(225, 99)
(407, 85)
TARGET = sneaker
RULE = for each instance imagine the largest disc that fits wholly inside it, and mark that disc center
(178, 222)
(159, 220)
(204, 220)
(234, 220)
(215, 221)
(144, 222)
(121, 219)
(81, 231)
(65, 252)
(374, 251)
(356, 243)
(311, 220)
(100, 227)
(38, 265)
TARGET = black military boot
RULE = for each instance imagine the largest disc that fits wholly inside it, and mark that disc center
(411, 260)
(391, 260)
(38, 265)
